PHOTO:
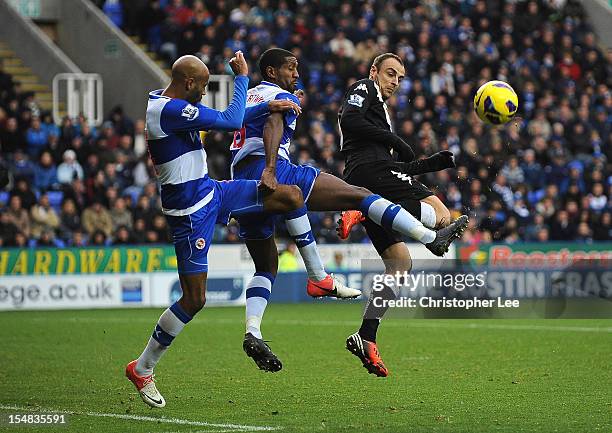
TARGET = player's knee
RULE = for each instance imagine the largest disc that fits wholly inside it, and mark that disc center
(193, 302)
(400, 265)
(295, 200)
(198, 302)
(362, 192)
(354, 196)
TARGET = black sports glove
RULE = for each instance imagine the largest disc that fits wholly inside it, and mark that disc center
(442, 160)
(436, 162)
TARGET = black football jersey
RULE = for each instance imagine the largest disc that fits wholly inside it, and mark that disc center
(366, 133)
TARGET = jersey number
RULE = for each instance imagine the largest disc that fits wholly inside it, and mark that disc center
(239, 137)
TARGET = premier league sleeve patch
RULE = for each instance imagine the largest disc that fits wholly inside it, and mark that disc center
(190, 112)
(356, 100)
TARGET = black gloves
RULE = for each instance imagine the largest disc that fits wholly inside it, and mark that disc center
(436, 162)
(442, 160)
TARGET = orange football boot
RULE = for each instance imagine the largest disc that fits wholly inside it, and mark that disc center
(331, 286)
(145, 386)
(367, 352)
(347, 220)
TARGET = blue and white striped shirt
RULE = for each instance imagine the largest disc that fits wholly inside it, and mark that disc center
(249, 139)
(174, 144)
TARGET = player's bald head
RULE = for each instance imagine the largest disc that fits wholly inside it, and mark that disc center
(189, 78)
(186, 67)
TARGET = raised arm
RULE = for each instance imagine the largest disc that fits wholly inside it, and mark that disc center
(179, 115)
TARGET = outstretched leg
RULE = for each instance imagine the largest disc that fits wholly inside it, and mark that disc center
(332, 193)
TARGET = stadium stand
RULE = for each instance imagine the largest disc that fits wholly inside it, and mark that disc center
(545, 176)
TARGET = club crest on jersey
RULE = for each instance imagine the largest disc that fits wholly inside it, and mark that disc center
(356, 100)
(363, 87)
(200, 244)
(190, 112)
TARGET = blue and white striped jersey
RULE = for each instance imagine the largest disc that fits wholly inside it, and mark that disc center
(176, 149)
(249, 139)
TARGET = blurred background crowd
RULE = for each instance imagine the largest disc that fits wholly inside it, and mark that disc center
(545, 176)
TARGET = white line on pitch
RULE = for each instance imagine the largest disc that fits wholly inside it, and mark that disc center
(176, 421)
(415, 323)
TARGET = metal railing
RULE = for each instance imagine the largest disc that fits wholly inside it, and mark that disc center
(79, 94)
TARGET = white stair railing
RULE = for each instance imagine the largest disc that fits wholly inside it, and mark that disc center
(80, 94)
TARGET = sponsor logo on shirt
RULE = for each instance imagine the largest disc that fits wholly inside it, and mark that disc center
(190, 112)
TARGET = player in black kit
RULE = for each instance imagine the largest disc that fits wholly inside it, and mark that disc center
(379, 160)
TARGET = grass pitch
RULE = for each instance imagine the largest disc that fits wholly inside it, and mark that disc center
(445, 375)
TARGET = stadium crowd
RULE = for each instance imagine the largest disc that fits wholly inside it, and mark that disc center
(545, 176)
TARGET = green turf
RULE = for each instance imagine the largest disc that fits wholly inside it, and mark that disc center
(536, 376)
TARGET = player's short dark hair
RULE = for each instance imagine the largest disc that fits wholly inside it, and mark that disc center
(274, 57)
(378, 60)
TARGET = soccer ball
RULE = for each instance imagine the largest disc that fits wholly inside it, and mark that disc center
(495, 102)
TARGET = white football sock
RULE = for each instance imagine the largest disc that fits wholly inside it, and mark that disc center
(428, 215)
(257, 296)
(170, 324)
(301, 232)
(393, 217)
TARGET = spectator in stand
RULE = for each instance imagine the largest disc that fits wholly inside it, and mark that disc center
(43, 217)
(18, 216)
(139, 234)
(70, 219)
(25, 193)
(160, 226)
(121, 215)
(597, 200)
(36, 138)
(48, 126)
(69, 169)
(45, 174)
(47, 239)
(602, 231)
(114, 11)
(97, 218)
(98, 238)
(19, 241)
(287, 260)
(513, 172)
(11, 138)
(562, 228)
(22, 167)
(123, 236)
(78, 239)
(8, 229)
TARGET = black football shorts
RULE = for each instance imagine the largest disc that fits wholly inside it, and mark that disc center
(387, 179)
